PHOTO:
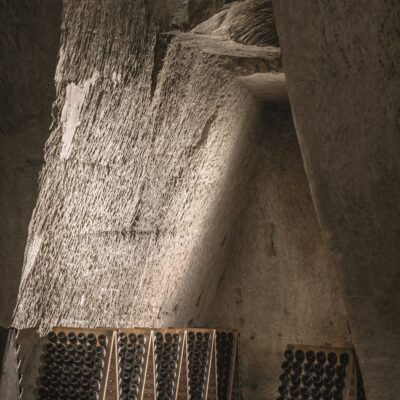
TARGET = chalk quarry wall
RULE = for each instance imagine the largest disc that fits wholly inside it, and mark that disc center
(29, 32)
(172, 195)
(342, 68)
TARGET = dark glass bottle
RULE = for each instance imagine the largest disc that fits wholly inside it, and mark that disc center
(327, 394)
(295, 379)
(308, 368)
(91, 338)
(294, 392)
(62, 337)
(304, 393)
(70, 349)
(329, 370)
(282, 390)
(52, 337)
(101, 351)
(306, 380)
(299, 356)
(103, 341)
(49, 348)
(288, 354)
(332, 358)
(338, 395)
(310, 356)
(284, 378)
(81, 336)
(286, 367)
(71, 337)
(321, 357)
(60, 348)
(318, 369)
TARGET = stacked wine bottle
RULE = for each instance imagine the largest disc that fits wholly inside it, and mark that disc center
(198, 350)
(131, 360)
(72, 366)
(309, 374)
(167, 354)
(138, 364)
(224, 363)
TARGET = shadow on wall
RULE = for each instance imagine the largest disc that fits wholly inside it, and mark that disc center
(30, 32)
(278, 287)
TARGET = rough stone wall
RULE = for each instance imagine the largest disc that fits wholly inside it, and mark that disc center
(342, 67)
(142, 179)
(162, 174)
(279, 286)
(29, 43)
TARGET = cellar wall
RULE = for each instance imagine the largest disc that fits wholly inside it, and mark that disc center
(144, 176)
(29, 44)
(166, 181)
(279, 286)
(342, 67)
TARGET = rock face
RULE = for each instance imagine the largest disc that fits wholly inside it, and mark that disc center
(342, 69)
(279, 286)
(29, 43)
(142, 179)
(174, 192)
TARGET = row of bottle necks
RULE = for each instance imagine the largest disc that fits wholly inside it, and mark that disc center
(73, 362)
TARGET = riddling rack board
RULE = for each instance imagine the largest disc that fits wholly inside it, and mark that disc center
(320, 373)
(139, 364)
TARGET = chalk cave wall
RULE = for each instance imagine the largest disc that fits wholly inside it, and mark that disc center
(279, 286)
(29, 44)
(342, 68)
(182, 178)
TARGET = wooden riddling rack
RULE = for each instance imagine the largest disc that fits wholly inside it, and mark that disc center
(318, 373)
(140, 364)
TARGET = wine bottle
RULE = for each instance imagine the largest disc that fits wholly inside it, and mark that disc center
(91, 338)
(52, 337)
(282, 390)
(286, 367)
(59, 348)
(308, 368)
(332, 358)
(103, 341)
(62, 337)
(141, 338)
(284, 378)
(294, 392)
(326, 394)
(299, 356)
(288, 354)
(321, 357)
(310, 356)
(72, 337)
(330, 370)
(81, 336)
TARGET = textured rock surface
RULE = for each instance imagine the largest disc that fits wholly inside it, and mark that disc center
(165, 179)
(250, 22)
(9, 388)
(29, 42)
(279, 286)
(140, 186)
(342, 69)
